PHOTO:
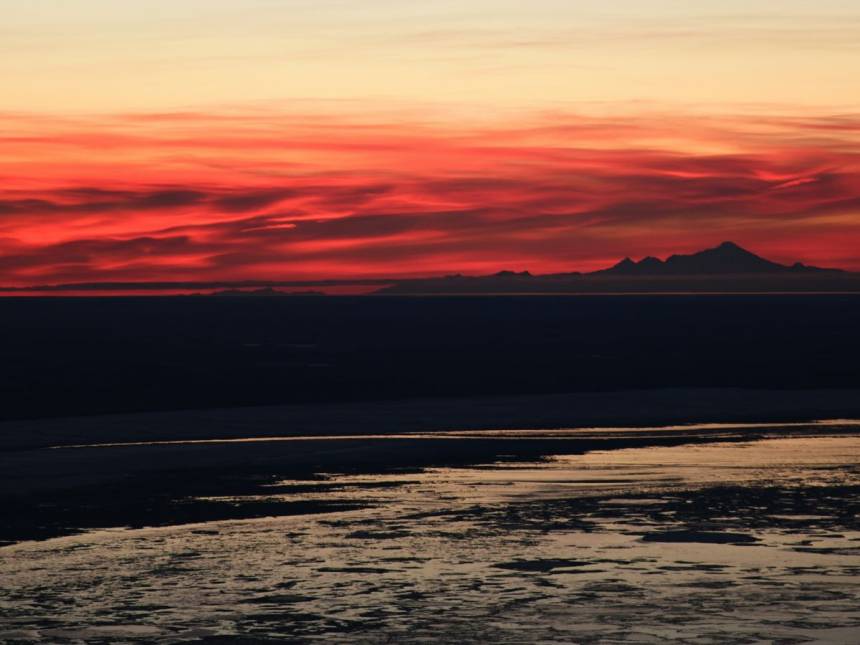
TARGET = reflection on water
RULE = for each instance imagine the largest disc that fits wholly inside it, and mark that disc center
(733, 542)
(697, 429)
(805, 461)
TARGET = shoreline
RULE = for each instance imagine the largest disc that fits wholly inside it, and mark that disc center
(725, 526)
(616, 409)
(249, 486)
(53, 492)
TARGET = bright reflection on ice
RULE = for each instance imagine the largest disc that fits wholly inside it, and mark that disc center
(690, 542)
(729, 429)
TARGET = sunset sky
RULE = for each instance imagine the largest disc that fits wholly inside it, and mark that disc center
(299, 139)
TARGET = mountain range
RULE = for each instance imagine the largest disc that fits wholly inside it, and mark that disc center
(726, 259)
(726, 268)
(723, 269)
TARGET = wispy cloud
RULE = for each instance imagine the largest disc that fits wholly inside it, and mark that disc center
(268, 195)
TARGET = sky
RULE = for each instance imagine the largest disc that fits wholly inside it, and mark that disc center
(297, 139)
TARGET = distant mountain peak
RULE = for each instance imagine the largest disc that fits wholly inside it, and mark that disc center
(625, 264)
(728, 258)
(726, 268)
(732, 246)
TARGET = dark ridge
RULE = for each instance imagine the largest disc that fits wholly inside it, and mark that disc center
(727, 268)
(263, 293)
(726, 259)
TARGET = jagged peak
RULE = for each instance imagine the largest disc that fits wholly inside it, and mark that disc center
(726, 258)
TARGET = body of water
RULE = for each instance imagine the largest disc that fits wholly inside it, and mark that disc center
(724, 542)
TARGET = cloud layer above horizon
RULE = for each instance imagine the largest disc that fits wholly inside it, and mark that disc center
(267, 195)
(290, 139)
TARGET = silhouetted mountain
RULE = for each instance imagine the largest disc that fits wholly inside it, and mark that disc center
(725, 268)
(726, 259)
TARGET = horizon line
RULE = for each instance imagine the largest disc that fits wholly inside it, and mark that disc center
(156, 285)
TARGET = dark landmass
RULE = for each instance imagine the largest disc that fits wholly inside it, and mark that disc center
(726, 259)
(263, 293)
(85, 356)
(727, 268)
(645, 408)
(612, 283)
(187, 286)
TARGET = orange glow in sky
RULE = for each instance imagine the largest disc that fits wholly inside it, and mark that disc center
(228, 140)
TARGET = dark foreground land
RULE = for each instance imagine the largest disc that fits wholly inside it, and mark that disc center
(82, 356)
(121, 370)
(341, 434)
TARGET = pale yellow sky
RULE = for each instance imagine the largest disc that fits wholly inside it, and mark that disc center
(107, 56)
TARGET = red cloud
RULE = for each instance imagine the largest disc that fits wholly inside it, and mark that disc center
(230, 197)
